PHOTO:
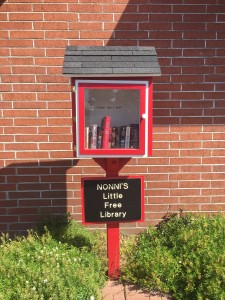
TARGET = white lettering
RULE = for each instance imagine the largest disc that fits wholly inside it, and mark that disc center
(112, 186)
(107, 214)
(112, 196)
(112, 205)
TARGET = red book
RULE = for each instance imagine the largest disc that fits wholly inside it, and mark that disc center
(106, 131)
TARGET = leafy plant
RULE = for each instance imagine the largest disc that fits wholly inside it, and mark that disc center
(42, 267)
(185, 256)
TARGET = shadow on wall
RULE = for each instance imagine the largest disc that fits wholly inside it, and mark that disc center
(31, 191)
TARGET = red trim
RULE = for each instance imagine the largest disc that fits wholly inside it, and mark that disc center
(150, 116)
(116, 151)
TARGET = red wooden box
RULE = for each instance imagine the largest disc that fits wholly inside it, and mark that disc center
(112, 118)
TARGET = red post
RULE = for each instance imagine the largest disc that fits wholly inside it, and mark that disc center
(113, 234)
(113, 247)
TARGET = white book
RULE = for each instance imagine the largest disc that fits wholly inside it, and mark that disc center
(127, 137)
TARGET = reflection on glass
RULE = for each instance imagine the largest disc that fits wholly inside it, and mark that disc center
(112, 118)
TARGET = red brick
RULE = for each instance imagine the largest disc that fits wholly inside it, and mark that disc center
(26, 17)
(20, 113)
(6, 138)
(3, 17)
(30, 122)
(30, 105)
(21, 146)
(195, 168)
(32, 155)
(7, 155)
(18, 78)
(213, 207)
(86, 8)
(96, 17)
(196, 120)
(28, 70)
(4, 34)
(6, 88)
(58, 88)
(6, 105)
(54, 130)
(120, 8)
(50, 43)
(205, 18)
(185, 192)
(29, 88)
(61, 154)
(200, 104)
(199, 52)
(46, 61)
(59, 25)
(90, 25)
(195, 199)
(96, 35)
(217, 44)
(49, 7)
(16, 7)
(31, 138)
(131, 35)
(155, 26)
(189, 9)
(16, 25)
(27, 34)
(62, 35)
(19, 96)
(165, 35)
(216, 9)
(73, 17)
(9, 219)
(185, 208)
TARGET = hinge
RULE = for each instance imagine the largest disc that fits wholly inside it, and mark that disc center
(74, 89)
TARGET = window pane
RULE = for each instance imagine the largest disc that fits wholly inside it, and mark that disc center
(112, 118)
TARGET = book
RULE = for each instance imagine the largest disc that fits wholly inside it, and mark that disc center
(106, 131)
(93, 136)
(117, 137)
(110, 138)
(86, 141)
(113, 137)
(122, 136)
(134, 136)
(127, 137)
(99, 137)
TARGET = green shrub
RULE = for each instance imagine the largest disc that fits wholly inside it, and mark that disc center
(64, 229)
(39, 267)
(185, 256)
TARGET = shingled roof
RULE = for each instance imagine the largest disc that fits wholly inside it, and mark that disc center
(110, 61)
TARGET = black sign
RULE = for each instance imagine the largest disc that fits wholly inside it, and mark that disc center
(112, 200)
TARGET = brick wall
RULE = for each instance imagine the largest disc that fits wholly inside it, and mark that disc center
(38, 172)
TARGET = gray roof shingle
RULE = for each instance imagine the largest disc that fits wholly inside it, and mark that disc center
(110, 61)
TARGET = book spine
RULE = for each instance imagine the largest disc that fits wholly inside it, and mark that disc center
(117, 137)
(113, 137)
(110, 138)
(134, 136)
(127, 138)
(93, 136)
(99, 137)
(106, 132)
(87, 133)
(122, 136)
